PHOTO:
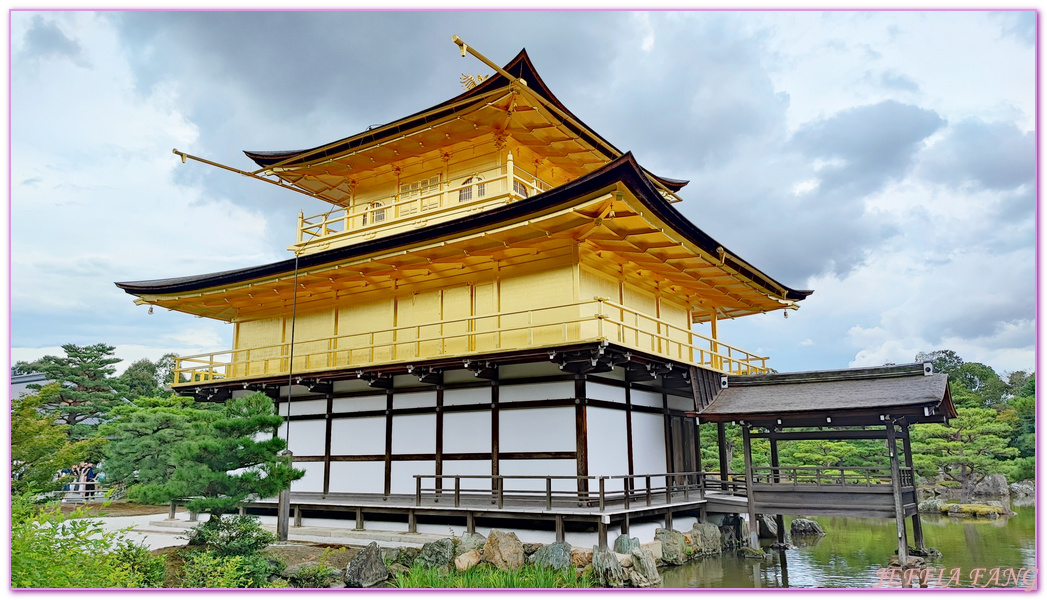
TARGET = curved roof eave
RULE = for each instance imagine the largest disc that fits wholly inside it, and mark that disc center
(625, 170)
(519, 67)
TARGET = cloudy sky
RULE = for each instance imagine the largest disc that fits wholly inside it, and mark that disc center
(883, 159)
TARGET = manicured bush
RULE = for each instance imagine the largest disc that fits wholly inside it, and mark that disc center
(231, 535)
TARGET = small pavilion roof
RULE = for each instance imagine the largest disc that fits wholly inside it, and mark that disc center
(285, 164)
(834, 398)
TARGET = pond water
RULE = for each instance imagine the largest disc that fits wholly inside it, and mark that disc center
(854, 551)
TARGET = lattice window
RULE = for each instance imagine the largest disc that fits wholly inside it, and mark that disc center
(466, 194)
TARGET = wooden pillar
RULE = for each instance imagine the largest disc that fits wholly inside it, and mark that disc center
(721, 444)
(359, 519)
(470, 522)
(581, 435)
(917, 527)
(896, 481)
(625, 524)
(494, 434)
(388, 442)
(754, 532)
(559, 528)
(439, 467)
(601, 536)
(327, 445)
(779, 520)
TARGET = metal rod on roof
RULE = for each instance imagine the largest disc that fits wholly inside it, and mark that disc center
(246, 174)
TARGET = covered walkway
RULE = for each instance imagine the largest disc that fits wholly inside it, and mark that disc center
(853, 404)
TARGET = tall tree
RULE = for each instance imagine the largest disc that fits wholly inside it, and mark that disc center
(229, 460)
(970, 447)
(39, 448)
(87, 390)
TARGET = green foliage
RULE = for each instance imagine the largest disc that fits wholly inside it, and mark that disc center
(50, 550)
(226, 460)
(486, 576)
(236, 535)
(39, 448)
(319, 575)
(87, 389)
(206, 569)
(144, 434)
(973, 445)
(1022, 469)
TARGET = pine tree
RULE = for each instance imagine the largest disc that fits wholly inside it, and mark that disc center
(144, 433)
(970, 447)
(228, 460)
(87, 390)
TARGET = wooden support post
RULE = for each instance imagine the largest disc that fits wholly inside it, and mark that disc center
(470, 522)
(625, 524)
(412, 521)
(283, 510)
(754, 540)
(779, 520)
(171, 511)
(721, 444)
(359, 519)
(559, 528)
(917, 527)
(896, 483)
(668, 518)
(601, 529)
(297, 515)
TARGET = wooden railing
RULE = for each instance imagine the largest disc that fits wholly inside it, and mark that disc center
(595, 320)
(831, 476)
(594, 492)
(450, 197)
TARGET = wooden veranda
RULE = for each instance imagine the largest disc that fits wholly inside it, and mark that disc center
(868, 404)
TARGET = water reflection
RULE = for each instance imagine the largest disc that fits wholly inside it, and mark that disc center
(853, 552)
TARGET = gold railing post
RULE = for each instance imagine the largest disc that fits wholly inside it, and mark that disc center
(509, 174)
(301, 224)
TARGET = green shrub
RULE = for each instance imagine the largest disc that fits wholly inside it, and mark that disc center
(231, 535)
(207, 569)
(50, 550)
(317, 576)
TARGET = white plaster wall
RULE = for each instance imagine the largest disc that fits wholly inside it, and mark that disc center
(648, 443)
(680, 403)
(467, 467)
(528, 370)
(414, 400)
(608, 447)
(414, 434)
(402, 478)
(600, 391)
(306, 437)
(542, 468)
(556, 390)
(645, 398)
(358, 436)
(477, 395)
(358, 404)
(313, 481)
(307, 407)
(536, 430)
(467, 431)
(361, 477)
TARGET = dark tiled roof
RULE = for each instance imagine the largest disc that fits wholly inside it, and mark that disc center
(839, 392)
(625, 170)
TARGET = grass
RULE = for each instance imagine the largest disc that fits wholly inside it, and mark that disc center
(486, 576)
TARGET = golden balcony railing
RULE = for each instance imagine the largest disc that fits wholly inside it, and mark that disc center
(437, 198)
(590, 321)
